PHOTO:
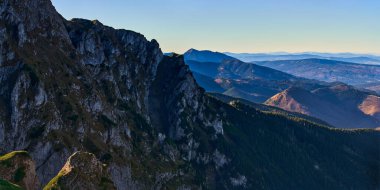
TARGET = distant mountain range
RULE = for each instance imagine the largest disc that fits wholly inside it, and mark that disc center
(375, 86)
(239, 79)
(346, 57)
(328, 70)
(330, 101)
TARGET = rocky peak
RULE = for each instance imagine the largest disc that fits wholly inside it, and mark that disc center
(124, 61)
(206, 56)
(27, 19)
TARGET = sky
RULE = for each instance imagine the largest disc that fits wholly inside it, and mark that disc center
(241, 25)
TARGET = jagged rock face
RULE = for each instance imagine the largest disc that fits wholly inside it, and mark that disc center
(175, 94)
(178, 107)
(29, 19)
(82, 171)
(19, 168)
(123, 62)
(79, 85)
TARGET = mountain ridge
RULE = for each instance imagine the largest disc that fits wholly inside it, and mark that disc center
(348, 57)
(328, 70)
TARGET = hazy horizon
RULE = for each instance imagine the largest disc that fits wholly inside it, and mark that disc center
(242, 26)
(286, 52)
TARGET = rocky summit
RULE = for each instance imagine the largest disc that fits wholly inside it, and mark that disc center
(92, 107)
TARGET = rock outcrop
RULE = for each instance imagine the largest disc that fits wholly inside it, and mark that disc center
(19, 168)
(82, 171)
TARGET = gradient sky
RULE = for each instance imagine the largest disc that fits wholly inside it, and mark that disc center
(241, 25)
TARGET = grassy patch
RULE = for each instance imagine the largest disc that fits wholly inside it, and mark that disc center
(54, 183)
(6, 185)
(13, 154)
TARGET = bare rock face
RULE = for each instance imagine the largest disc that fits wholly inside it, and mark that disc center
(82, 171)
(175, 94)
(29, 19)
(121, 61)
(19, 168)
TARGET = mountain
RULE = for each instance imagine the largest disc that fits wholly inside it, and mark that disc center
(328, 70)
(344, 57)
(237, 70)
(243, 80)
(371, 86)
(253, 57)
(264, 85)
(100, 108)
(206, 56)
(360, 60)
(267, 108)
(332, 104)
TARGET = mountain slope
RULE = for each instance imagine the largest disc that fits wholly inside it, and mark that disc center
(208, 83)
(204, 62)
(293, 143)
(267, 109)
(371, 106)
(69, 86)
(333, 105)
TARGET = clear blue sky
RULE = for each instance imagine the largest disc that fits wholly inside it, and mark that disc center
(241, 25)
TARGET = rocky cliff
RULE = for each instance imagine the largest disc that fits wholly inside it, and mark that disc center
(80, 85)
